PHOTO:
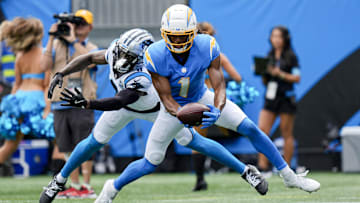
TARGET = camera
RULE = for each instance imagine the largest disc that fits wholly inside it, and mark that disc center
(63, 28)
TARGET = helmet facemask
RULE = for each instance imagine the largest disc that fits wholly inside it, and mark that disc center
(124, 60)
(179, 47)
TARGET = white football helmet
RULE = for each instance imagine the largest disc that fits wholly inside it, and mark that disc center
(130, 48)
(178, 20)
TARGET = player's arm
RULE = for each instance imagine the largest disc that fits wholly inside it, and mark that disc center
(218, 83)
(229, 68)
(162, 86)
(121, 99)
(83, 61)
(78, 64)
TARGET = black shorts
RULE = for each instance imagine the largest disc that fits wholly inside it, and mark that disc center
(71, 126)
(281, 105)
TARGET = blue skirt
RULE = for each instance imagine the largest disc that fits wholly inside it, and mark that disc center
(23, 112)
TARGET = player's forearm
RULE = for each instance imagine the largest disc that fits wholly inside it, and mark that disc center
(220, 98)
(76, 65)
(170, 104)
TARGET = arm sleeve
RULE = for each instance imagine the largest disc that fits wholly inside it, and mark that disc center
(123, 98)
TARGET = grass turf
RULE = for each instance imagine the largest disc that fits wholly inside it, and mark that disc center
(176, 188)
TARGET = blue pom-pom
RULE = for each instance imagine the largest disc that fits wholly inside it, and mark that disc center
(240, 93)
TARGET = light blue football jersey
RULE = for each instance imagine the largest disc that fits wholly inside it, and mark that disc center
(187, 81)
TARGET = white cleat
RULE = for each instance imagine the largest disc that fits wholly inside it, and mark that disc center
(108, 193)
(303, 183)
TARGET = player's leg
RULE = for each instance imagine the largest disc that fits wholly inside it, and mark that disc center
(232, 117)
(218, 152)
(198, 162)
(162, 133)
(266, 121)
(109, 123)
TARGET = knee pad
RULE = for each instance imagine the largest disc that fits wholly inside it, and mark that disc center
(155, 158)
(184, 137)
(100, 137)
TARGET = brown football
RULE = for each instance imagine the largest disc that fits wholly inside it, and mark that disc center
(192, 113)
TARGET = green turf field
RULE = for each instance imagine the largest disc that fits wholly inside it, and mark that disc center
(176, 188)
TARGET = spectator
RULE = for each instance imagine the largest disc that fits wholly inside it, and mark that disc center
(25, 109)
(197, 158)
(73, 124)
(282, 72)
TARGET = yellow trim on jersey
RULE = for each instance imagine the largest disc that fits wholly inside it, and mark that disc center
(9, 73)
(212, 44)
(7, 58)
(148, 58)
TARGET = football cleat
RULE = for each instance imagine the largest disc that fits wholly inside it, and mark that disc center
(50, 191)
(108, 193)
(303, 183)
(200, 185)
(255, 179)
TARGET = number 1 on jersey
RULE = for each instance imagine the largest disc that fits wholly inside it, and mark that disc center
(185, 83)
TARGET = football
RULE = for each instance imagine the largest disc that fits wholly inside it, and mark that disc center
(192, 113)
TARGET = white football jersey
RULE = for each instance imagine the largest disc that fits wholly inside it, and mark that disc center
(138, 79)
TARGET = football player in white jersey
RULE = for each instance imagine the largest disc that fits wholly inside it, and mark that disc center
(135, 98)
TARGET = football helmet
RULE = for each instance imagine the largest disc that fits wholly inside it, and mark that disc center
(178, 21)
(129, 49)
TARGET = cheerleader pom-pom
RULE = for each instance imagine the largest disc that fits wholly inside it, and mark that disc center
(240, 93)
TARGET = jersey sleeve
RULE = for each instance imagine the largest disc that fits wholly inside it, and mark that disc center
(139, 81)
(149, 63)
(214, 49)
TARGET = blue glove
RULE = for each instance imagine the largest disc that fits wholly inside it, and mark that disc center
(212, 116)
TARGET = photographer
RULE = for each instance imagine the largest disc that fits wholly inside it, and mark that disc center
(69, 39)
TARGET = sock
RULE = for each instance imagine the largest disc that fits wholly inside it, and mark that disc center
(82, 152)
(60, 178)
(198, 163)
(56, 165)
(87, 186)
(262, 143)
(287, 174)
(133, 171)
(216, 151)
(75, 185)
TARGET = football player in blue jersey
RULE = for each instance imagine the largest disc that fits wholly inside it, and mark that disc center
(177, 65)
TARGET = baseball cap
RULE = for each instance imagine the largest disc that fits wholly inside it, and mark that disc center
(85, 14)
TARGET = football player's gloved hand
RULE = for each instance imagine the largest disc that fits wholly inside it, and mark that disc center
(56, 80)
(212, 116)
(73, 99)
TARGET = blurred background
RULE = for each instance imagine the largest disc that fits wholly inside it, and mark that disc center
(325, 37)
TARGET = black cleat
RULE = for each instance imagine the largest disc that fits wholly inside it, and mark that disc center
(255, 179)
(200, 185)
(50, 191)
